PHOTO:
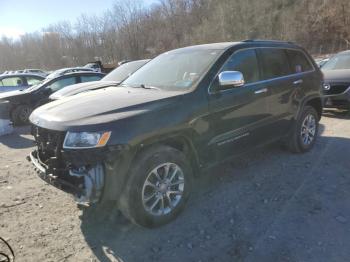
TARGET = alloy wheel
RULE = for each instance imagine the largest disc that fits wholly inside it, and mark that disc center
(163, 189)
(308, 129)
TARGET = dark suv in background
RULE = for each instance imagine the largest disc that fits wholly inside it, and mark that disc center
(141, 144)
(336, 88)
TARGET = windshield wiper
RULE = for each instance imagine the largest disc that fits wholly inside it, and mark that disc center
(149, 87)
(140, 86)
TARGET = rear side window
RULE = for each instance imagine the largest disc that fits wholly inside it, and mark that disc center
(274, 63)
(11, 81)
(244, 61)
(90, 78)
(298, 61)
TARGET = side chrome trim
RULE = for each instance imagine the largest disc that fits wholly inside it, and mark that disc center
(260, 91)
(298, 82)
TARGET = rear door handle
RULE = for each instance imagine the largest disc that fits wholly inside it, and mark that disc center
(260, 91)
(298, 82)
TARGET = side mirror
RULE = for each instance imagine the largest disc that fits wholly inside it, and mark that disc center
(231, 78)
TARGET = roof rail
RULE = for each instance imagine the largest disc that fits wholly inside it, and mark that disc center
(264, 40)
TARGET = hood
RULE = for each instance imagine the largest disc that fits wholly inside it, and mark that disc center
(342, 75)
(98, 107)
(81, 87)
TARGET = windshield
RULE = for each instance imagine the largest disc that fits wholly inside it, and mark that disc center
(341, 61)
(176, 70)
(54, 74)
(37, 86)
(124, 71)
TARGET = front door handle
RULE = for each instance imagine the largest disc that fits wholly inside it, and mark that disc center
(298, 82)
(260, 91)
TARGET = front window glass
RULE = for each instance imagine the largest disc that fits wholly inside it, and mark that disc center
(341, 61)
(244, 61)
(124, 71)
(177, 70)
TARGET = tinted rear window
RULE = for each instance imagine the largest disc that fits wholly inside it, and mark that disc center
(274, 63)
(298, 61)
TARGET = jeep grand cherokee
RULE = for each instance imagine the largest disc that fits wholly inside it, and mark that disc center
(141, 144)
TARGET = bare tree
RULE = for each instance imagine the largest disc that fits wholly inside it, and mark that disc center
(129, 30)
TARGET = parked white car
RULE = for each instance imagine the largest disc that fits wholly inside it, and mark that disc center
(36, 71)
(64, 71)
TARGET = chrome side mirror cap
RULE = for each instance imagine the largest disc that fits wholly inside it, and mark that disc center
(231, 78)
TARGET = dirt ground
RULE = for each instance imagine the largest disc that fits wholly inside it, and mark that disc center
(270, 205)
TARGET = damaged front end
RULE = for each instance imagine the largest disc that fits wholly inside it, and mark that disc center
(80, 174)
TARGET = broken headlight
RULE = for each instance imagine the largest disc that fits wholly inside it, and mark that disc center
(76, 140)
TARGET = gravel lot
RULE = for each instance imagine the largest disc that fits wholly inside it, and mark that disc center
(270, 205)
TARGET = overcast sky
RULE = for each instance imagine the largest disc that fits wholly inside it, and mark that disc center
(20, 16)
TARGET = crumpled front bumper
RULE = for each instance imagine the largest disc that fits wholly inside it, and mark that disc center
(85, 183)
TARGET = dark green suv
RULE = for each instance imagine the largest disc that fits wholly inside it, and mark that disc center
(142, 144)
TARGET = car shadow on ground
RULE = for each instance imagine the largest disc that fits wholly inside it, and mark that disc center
(20, 138)
(334, 113)
(269, 205)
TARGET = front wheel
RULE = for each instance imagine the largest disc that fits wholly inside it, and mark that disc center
(305, 131)
(158, 187)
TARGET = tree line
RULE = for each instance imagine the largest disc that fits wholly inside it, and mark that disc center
(131, 30)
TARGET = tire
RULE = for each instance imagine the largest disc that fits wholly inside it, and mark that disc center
(298, 142)
(134, 204)
(20, 115)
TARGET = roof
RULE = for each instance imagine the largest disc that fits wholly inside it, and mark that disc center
(266, 41)
(78, 67)
(73, 68)
(226, 45)
(212, 46)
(21, 74)
(138, 61)
(80, 73)
(65, 71)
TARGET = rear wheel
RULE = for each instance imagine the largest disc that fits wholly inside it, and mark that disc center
(158, 187)
(305, 131)
(20, 115)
